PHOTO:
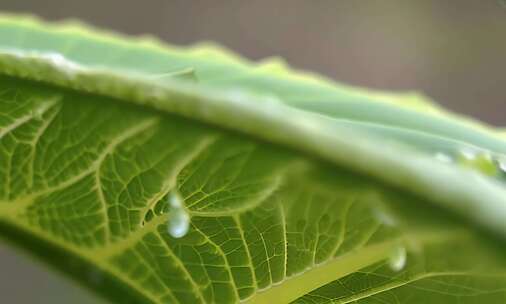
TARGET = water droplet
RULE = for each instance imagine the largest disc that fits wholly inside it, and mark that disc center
(179, 219)
(481, 161)
(444, 158)
(179, 223)
(397, 260)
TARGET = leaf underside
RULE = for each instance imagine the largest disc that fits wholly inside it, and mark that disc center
(85, 180)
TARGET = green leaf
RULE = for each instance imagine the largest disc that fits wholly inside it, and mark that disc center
(296, 189)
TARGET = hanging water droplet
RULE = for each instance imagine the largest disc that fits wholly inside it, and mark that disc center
(481, 161)
(444, 158)
(175, 200)
(397, 260)
(179, 223)
(179, 219)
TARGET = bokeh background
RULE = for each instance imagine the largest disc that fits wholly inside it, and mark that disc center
(453, 51)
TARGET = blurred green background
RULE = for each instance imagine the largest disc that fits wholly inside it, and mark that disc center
(453, 51)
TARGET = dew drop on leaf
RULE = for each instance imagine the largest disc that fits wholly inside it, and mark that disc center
(397, 259)
(179, 219)
(479, 161)
(179, 223)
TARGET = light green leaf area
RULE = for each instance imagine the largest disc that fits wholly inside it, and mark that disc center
(297, 189)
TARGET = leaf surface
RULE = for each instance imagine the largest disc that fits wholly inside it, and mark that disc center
(298, 189)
